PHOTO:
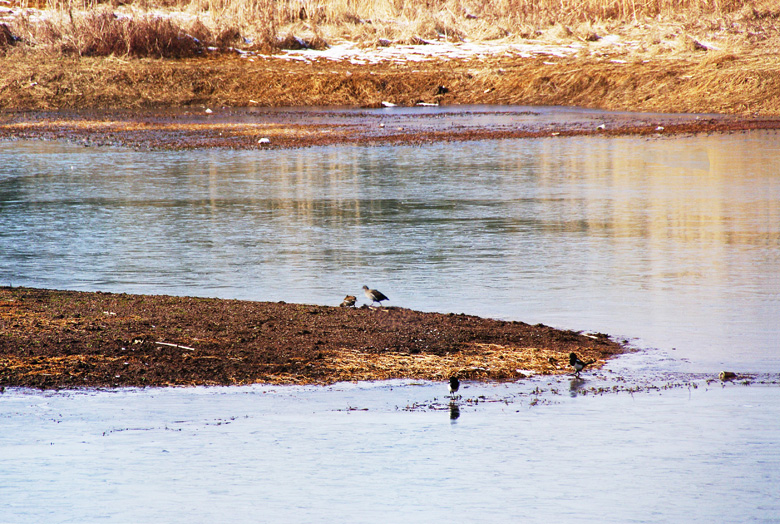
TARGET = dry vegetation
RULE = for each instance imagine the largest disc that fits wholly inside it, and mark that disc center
(178, 28)
(687, 55)
(56, 339)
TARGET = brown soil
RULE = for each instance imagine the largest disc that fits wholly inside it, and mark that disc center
(67, 339)
(274, 129)
(118, 95)
(687, 83)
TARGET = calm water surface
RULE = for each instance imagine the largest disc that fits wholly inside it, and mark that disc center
(672, 243)
(356, 453)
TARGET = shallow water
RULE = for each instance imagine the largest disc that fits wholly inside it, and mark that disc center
(672, 243)
(392, 452)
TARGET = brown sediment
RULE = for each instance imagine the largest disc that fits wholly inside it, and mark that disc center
(68, 339)
(744, 84)
(280, 129)
(226, 102)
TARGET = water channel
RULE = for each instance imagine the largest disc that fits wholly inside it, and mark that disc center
(672, 243)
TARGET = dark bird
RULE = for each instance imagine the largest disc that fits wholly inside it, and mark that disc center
(454, 385)
(578, 364)
(349, 301)
(374, 295)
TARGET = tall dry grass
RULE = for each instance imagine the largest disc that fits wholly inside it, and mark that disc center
(179, 28)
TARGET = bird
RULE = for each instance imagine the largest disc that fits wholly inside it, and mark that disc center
(454, 385)
(374, 295)
(578, 364)
(349, 301)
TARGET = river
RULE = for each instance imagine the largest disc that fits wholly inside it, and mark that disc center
(670, 243)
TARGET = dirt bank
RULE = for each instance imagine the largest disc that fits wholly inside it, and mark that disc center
(689, 83)
(65, 339)
(264, 128)
(227, 101)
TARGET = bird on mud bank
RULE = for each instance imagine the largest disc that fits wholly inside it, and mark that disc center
(374, 295)
(578, 364)
(349, 301)
(454, 385)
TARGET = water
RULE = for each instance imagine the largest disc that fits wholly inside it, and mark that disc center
(671, 243)
(261, 454)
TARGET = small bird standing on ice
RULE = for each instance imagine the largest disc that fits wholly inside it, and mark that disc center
(578, 364)
(454, 385)
(374, 295)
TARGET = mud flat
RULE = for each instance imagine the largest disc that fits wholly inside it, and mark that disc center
(277, 128)
(67, 339)
(232, 102)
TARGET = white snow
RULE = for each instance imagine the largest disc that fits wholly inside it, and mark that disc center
(348, 51)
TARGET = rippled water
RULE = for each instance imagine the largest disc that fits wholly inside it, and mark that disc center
(673, 243)
(358, 454)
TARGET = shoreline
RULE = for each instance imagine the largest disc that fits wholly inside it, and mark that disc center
(742, 83)
(68, 339)
(290, 128)
(258, 101)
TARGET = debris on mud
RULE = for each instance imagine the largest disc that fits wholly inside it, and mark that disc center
(69, 339)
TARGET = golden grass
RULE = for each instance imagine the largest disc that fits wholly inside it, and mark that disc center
(482, 362)
(485, 362)
(178, 28)
(702, 83)
(49, 365)
(687, 55)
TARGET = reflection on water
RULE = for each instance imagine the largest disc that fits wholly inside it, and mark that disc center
(352, 453)
(672, 241)
(576, 385)
(454, 410)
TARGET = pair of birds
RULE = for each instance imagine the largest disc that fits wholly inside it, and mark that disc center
(372, 294)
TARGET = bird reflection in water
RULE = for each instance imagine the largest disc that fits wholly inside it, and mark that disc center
(454, 411)
(576, 385)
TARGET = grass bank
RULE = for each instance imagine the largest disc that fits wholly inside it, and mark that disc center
(689, 56)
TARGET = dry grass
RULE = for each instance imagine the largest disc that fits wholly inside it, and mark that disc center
(482, 362)
(183, 28)
(710, 82)
(687, 55)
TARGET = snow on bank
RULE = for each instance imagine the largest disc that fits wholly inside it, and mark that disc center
(348, 51)
(387, 51)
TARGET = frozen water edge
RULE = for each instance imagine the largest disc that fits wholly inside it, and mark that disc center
(351, 452)
(636, 373)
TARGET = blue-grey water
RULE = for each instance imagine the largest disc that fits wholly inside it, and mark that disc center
(672, 243)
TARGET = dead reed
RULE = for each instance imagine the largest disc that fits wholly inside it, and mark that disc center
(185, 28)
